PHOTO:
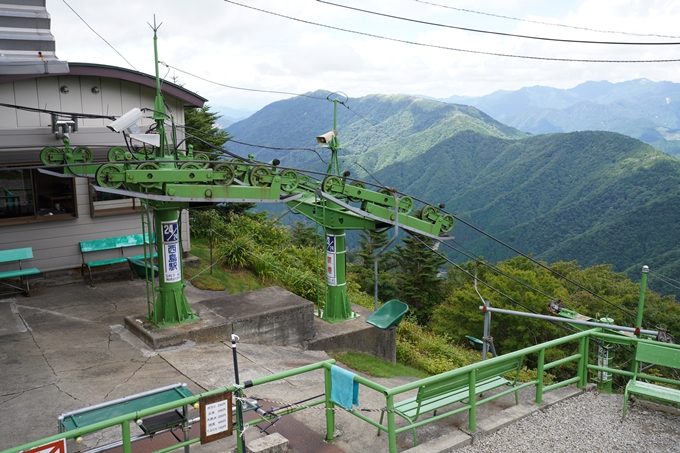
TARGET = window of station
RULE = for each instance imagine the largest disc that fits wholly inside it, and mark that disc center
(104, 203)
(29, 196)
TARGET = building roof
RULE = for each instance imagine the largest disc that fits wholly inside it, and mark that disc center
(189, 98)
(26, 43)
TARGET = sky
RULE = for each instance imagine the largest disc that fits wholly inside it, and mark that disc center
(227, 44)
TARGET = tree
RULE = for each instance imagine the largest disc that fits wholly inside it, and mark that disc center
(417, 278)
(363, 270)
(201, 123)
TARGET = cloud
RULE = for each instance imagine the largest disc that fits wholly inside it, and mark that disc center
(241, 47)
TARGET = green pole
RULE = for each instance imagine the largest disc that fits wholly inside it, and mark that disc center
(539, 376)
(170, 305)
(641, 302)
(127, 445)
(330, 406)
(337, 306)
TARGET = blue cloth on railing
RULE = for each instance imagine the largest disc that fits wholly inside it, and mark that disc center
(345, 391)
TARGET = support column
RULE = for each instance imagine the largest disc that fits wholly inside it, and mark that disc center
(337, 306)
(170, 305)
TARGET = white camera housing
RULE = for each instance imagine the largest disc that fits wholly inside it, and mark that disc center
(127, 121)
(326, 138)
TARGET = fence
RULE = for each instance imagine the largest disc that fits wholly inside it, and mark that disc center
(579, 377)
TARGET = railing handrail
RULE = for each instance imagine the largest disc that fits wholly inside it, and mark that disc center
(486, 363)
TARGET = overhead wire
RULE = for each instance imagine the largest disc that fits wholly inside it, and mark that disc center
(434, 46)
(490, 32)
(549, 23)
(491, 287)
(233, 87)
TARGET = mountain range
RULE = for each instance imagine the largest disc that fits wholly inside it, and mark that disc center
(641, 108)
(597, 197)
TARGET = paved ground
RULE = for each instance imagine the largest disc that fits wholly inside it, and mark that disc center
(66, 348)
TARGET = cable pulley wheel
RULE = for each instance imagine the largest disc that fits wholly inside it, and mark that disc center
(257, 175)
(148, 166)
(228, 171)
(359, 185)
(104, 174)
(405, 205)
(202, 157)
(191, 166)
(329, 182)
(447, 223)
(428, 211)
(82, 154)
(52, 156)
(294, 180)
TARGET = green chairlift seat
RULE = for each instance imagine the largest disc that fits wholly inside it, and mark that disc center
(475, 343)
(389, 315)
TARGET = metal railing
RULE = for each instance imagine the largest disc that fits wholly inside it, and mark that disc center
(578, 377)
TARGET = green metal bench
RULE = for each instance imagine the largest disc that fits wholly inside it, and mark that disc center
(114, 243)
(659, 354)
(129, 404)
(439, 393)
(18, 255)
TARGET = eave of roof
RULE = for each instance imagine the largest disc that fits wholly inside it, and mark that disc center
(189, 98)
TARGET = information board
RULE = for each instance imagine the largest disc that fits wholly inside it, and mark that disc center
(216, 417)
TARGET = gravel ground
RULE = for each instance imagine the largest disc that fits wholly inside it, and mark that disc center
(589, 422)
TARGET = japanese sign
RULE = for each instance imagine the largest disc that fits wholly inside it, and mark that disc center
(331, 276)
(216, 417)
(171, 253)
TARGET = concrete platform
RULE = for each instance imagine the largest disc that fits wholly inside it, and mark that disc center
(268, 316)
(66, 348)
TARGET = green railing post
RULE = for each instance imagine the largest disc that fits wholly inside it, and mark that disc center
(583, 362)
(641, 301)
(472, 414)
(539, 376)
(127, 445)
(392, 436)
(330, 406)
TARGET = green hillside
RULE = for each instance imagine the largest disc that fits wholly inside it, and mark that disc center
(594, 197)
(393, 127)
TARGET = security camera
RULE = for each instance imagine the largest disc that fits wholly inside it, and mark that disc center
(326, 138)
(126, 121)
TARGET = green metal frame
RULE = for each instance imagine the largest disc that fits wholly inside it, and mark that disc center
(170, 179)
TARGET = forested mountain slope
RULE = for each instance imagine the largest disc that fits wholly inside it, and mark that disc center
(595, 197)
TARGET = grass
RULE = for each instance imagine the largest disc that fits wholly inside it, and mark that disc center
(233, 281)
(375, 367)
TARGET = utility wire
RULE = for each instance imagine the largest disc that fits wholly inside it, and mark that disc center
(548, 23)
(474, 30)
(102, 38)
(495, 54)
(444, 257)
(239, 88)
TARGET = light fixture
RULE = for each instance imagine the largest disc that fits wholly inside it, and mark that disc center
(64, 89)
(95, 90)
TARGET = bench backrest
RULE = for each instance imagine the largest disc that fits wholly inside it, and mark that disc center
(497, 366)
(658, 353)
(7, 256)
(96, 245)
